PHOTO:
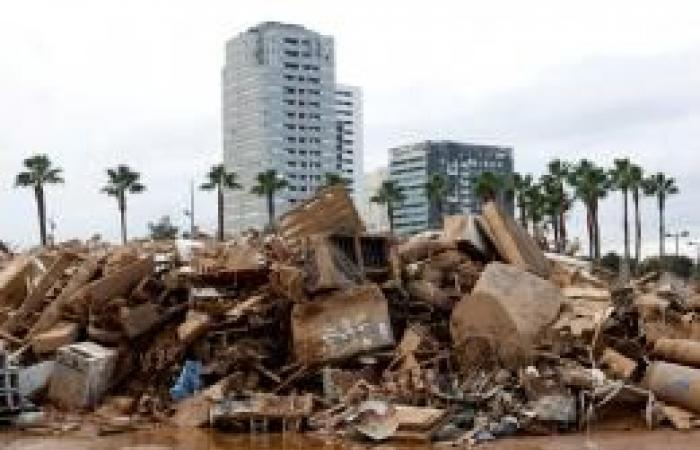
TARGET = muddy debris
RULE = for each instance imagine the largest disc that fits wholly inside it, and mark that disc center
(461, 335)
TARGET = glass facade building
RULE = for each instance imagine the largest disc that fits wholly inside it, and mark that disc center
(410, 166)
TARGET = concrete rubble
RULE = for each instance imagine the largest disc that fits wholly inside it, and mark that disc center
(460, 335)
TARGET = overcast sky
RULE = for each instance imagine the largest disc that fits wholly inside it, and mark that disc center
(96, 83)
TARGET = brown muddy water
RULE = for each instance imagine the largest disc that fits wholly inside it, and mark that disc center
(178, 439)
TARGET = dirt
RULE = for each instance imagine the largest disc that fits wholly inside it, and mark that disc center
(168, 439)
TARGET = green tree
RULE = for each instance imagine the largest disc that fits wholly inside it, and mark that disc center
(636, 188)
(590, 184)
(558, 172)
(611, 261)
(436, 190)
(535, 206)
(163, 229)
(334, 179)
(487, 186)
(556, 202)
(661, 187)
(389, 194)
(219, 179)
(520, 185)
(39, 172)
(622, 180)
(121, 181)
(268, 184)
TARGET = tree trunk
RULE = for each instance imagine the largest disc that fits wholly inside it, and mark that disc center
(596, 225)
(220, 213)
(122, 218)
(390, 213)
(662, 229)
(523, 214)
(555, 230)
(41, 212)
(625, 264)
(270, 210)
(637, 229)
(562, 223)
(441, 217)
(626, 224)
(589, 227)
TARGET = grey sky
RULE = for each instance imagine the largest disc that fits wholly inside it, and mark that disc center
(96, 83)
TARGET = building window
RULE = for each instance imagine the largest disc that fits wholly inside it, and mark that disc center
(289, 40)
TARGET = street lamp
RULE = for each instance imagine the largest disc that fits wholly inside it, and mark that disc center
(677, 236)
(190, 212)
(696, 244)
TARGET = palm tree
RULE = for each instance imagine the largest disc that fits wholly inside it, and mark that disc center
(636, 188)
(520, 184)
(334, 179)
(487, 186)
(590, 184)
(122, 180)
(558, 171)
(436, 190)
(534, 206)
(662, 187)
(218, 178)
(622, 178)
(556, 202)
(389, 194)
(268, 185)
(39, 173)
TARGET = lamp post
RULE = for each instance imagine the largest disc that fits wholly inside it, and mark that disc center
(190, 212)
(677, 236)
(696, 244)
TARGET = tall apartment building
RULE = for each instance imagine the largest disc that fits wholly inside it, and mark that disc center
(278, 112)
(281, 110)
(349, 137)
(411, 165)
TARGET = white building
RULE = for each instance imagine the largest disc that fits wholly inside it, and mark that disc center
(349, 137)
(278, 112)
(373, 214)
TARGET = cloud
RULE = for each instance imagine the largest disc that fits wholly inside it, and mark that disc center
(138, 82)
(645, 107)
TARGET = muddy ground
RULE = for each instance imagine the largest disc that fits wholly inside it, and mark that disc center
(168, 439)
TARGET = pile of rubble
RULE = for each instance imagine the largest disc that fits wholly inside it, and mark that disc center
(462, 335)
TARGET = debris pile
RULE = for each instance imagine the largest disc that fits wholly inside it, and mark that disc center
(461, 335)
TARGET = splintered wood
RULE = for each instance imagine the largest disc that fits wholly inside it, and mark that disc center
(330, 211)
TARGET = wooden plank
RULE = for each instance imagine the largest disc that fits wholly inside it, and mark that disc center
(52, 313)
(513, 243)
(36, 297)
